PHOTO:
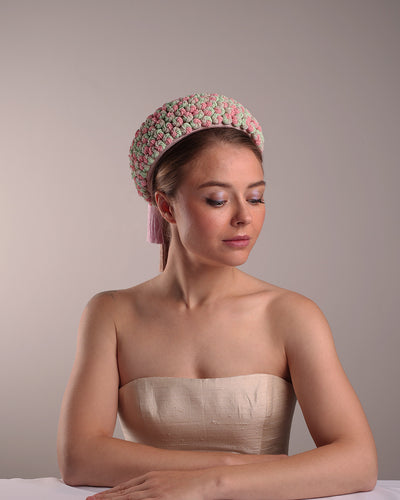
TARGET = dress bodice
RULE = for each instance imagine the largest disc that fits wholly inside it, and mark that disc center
(244, 414)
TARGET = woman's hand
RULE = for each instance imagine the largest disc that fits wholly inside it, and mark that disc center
(163, 485)
(176, 485)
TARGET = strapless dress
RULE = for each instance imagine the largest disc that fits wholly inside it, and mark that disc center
(243, 414)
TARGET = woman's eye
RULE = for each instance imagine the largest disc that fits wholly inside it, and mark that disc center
(215, 203)
(256, 201)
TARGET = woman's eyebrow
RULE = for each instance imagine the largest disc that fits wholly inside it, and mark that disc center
(226, 185)
(256, 184)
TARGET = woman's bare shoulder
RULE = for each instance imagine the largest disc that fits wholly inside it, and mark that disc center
(292, 302)
(296, 318)
(122, 295)
(277, 296)
(284, 306)
(121, 303)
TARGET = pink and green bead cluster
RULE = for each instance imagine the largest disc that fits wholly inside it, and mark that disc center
(176, 119)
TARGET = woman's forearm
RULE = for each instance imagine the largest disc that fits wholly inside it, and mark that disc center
(107, 461)
(334, 469)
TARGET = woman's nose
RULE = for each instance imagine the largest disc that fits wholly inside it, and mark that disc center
(241, 215)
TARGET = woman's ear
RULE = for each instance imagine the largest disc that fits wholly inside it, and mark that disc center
(164, 206)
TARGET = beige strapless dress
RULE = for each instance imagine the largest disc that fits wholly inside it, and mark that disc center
(243, 414)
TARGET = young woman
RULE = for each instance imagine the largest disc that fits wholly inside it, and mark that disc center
(204, 362)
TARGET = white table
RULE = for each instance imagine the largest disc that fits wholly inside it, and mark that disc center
(51, 488)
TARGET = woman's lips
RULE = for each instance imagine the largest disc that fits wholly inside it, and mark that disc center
(238, 241)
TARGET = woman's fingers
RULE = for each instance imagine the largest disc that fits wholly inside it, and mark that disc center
(134, 485)
(159, 485)
(128, 495)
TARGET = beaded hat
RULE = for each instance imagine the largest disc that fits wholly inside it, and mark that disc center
(172, 122)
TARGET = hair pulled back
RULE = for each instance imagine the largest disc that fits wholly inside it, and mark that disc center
(170, 169)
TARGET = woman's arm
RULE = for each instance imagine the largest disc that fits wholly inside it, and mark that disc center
(345, 458)
(87, 451)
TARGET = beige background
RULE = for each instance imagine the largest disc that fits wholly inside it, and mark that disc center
(78, 78)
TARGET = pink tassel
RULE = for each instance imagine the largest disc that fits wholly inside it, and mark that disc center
(154, 225)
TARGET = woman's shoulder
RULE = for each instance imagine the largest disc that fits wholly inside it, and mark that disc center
(283, 303)
(117, 301)
(293, 316)
(258, 286)
(125, 293)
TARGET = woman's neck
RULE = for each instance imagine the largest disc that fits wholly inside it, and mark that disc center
(196, 284)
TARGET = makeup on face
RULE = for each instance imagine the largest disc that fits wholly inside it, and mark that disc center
(238, 242)
(219, 207)
(220, 198)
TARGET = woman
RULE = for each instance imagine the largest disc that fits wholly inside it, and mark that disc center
(204, 362)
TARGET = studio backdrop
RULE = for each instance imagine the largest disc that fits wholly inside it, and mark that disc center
(77, 79)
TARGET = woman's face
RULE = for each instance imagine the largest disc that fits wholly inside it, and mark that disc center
(219, 206)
